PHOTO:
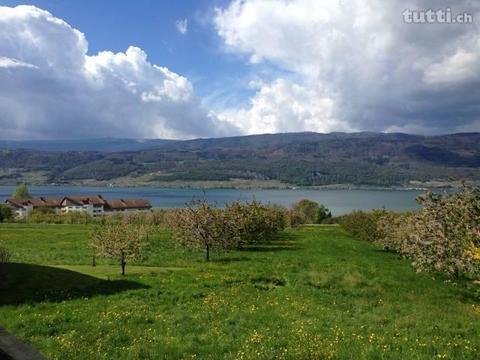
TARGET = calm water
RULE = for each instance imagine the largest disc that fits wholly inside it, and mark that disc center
(338, 201)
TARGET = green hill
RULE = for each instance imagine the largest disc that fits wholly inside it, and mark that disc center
(302, 159)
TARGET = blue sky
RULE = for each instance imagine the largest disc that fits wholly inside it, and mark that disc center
(241, 67)
(199, 55)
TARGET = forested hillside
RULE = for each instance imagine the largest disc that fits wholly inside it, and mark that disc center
(302, 159)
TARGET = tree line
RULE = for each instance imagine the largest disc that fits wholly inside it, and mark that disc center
(200, 225)
(443, 236)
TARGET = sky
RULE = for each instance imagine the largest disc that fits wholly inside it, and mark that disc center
(211, 68)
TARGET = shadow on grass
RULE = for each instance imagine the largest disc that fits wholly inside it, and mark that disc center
(28, 283)
(279, 242)
(228, 260)
(270, 247)
(388, 252)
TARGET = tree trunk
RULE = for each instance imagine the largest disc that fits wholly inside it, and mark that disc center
(94, 262)
(123, 263)
(208, 252)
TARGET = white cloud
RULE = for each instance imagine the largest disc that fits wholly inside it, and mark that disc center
(283, 106)
(182, 26)
(374, 71)
(51, 88)
(6, 62)
(339, 65)
(460, 67)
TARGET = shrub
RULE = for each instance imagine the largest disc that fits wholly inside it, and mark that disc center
(156, 217)
(323, 215)
(296, 218)
(254, 222)
(131, 218)
(4, 255)
(332, 220)
(364, 224)
(49, 216)
(396, 229)
(308, 212)
(6, 213)
(75, 217)
(42, 215)
(446, 235)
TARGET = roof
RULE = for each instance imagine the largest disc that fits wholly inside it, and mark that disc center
(120, 204)
(37, 202)
(96, 200)
(114, 204)
(84, 200)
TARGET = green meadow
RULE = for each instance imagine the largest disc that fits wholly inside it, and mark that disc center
(312, 293)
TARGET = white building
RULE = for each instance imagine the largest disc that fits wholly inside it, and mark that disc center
(22, 207)
(92, 205)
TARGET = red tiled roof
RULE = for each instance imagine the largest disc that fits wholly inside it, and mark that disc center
(113, 204)
(85, 200)
(37, 202)
(119, 204)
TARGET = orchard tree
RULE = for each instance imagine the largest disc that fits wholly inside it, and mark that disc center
(201, 225)
(308, 209)
(21, 192)
(444, 236)
(447, 233)
(295, 218)
(255, 222)
(311, 211)
(122, 241)
(364, 225)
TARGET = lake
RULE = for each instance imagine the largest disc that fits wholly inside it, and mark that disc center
(338, 201)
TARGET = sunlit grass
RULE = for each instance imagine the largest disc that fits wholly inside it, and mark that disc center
(314, 293)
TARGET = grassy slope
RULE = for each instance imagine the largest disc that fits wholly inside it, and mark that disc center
(316, 293)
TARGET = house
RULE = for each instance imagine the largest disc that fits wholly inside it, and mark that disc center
(22, 207)
(121, 205)
(93, 205)
(97, 205)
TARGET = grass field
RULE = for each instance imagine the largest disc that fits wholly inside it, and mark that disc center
(314, 293)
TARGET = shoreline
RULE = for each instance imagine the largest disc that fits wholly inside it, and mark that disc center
(241, 186)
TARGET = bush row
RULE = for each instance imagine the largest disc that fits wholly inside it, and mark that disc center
(364, 224)
(48, 216)
(444, 236)
(303, 212)
(205, 226)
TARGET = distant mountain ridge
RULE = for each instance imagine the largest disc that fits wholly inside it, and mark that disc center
(100, 144)
(301, 159)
